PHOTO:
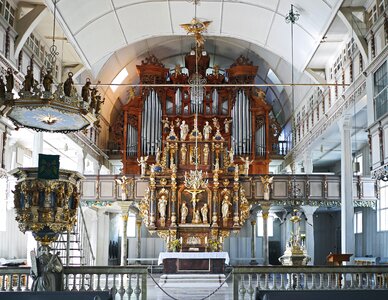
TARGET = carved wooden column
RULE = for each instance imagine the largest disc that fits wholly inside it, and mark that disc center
(236, 188)
(215, 199)
(152, 201)
(173, 199)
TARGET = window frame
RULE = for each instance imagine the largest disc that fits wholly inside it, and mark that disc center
(358, 222)
(380, 78)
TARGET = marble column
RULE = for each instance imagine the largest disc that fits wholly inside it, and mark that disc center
(37, 148)
(124, 240)
(347, 208)
(253, 243)
(138, 248)
(309, 243)
(265, 214)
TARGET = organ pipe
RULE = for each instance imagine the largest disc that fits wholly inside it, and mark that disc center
(151, 124)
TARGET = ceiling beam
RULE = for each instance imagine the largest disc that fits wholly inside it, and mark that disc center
(27, 24)
(355, 25)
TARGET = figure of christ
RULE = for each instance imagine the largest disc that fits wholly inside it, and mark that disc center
(194, 199)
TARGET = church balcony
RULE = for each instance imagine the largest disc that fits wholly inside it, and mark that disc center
(317, 190)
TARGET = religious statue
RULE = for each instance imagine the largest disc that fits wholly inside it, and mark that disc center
(166, 124)
(184, 130)
(143, 165)
(178, 70)
(131, 93)
(218, 136)
(85, 92)
(123, 184)
(207, 130)
(184, 213)
(162, 204)
(196, 217)
(231, 156)
(68, 85)
(216, 124)
(93, 99)
(217, 165)
(225, 206)
(9, 80)
(247, 162)
(206, 151)
(28, 80)
(267, 181)
(172, 135)
(183, 153)
(46, 271)
(157, 156)
(99, 102)
(48, 81)
(2, 88)
(227, 124)
(216, 70)
(204, 211)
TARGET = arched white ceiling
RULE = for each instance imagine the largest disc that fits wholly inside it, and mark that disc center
(99, 28)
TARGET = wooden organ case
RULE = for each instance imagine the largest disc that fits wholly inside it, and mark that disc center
(235, 135)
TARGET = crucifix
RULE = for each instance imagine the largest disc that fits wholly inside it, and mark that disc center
(194, 199)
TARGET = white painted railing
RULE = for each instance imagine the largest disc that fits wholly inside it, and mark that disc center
(248, 280)
(124, 282)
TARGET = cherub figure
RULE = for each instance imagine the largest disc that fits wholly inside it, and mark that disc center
(247, 162)
(267, 181)
(143, 165)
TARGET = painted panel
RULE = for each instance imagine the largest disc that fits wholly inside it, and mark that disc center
(280, 189)
(333, 189)
(247, 186)
(88, 189)
(140, 188)
(259, 191)
(107, 189)
(316, 189)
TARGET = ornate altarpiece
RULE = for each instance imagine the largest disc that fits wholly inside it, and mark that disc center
(235, 134)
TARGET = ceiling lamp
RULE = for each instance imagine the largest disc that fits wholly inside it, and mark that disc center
(37, 106)
(194, 181)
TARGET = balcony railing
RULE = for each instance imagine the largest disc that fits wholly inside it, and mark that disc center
(247, 281)
(129, 281)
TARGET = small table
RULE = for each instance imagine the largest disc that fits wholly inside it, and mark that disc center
(193, 262)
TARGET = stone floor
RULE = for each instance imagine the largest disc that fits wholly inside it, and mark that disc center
(186, 292)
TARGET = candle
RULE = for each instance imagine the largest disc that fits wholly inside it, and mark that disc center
(221, 239)
(205, 239)
(181, 240)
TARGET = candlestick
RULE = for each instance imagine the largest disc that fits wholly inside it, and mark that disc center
(206, 240)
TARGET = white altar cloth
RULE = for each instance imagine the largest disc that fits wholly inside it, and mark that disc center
(193, 255)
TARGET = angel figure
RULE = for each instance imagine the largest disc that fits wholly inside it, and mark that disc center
(124, 190)
(216, 124)
(178, 70)
(196, 28)
(247, 162)
(143, 164)
(267, 181)
(166, 124)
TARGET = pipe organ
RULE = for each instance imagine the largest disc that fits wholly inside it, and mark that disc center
(241, 114)
(193, 142)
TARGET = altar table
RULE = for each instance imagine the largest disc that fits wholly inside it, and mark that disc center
(190, 262)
